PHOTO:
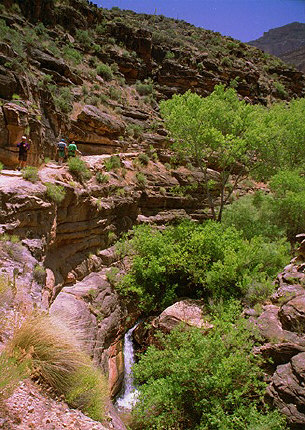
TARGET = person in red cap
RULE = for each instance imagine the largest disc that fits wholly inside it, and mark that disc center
(23, 152)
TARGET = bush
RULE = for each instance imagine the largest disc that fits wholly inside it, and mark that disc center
(254, 216)
(112, 163)
(30, 173)
(104, 71)
(39, 274)
(72, 55)
(1, 166)
(55, 192)
(63, 99)
(192, 260)
(143, 158)
(56, 359)
(145, 88)
(84, 38)
(204, 381)
(79, 168)
(141, 179)
(101, 178)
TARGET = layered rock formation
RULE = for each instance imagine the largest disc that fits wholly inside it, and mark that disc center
(282, 323)
(96, 76)
(286, 42)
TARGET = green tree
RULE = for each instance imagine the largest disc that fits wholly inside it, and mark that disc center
(212, 131)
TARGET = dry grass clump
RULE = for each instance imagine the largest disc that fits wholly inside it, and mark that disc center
(56, 359)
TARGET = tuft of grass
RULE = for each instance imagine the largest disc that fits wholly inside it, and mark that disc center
(112, 163)
(79, 168)
(30, 173)
(88, 392)
(12, 371)
(55, 192)
(56, 359)
(143, 158)
(101, 178)
(141, 179)
(1, 166)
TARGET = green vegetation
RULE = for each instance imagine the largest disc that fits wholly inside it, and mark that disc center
(102, 178)
(141, 179)
(55, 358)
(204, 381)
(79, 168)
(112, 163)
(143, 158)
(104, 71)
(274, 215)
(30, 173)
(1, 166)
(145, 88)
(12, 371)
(211, 128)
(39, 274)
(192, 260)
(233, 135)
(55, 192)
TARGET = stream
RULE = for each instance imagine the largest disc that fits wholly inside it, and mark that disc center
(129, 394)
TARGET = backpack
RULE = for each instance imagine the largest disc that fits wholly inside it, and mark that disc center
(61, 146)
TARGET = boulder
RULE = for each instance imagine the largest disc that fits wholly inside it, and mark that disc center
(287, 390)
(189, 312)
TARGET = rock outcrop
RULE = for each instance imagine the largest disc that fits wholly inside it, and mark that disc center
(282, 326)
(187, 312)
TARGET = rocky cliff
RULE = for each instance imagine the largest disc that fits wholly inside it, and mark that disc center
(286, 42)
(96, 76)
(68, 68)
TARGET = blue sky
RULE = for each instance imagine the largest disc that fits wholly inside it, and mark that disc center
(242, 19)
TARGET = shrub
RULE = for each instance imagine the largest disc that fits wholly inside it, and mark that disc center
(55, 192)
(72, 55)
(280, 89)
(79, 168)
(134, 130)
(84, 38)
(39, 274)
(63, 99)
(145, 88)
(197, 261)
(104, 71)
(1, 166)
(204, 381)
(254, 216)
(30, 173)
(143, 158)
(57, 360)
(112, 163)
(115, 93)
(141, 179)
(101, 178)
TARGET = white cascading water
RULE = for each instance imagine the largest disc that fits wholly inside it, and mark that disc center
(129, 397)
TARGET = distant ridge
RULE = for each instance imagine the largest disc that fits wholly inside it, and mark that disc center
(286, 42)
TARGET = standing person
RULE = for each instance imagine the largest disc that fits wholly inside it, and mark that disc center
(72, 150)
(24, 147)
(61, 151)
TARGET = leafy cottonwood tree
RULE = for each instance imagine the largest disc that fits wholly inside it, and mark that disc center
(212, 130)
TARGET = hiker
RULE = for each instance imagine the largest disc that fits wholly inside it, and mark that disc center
(61, 151)
(24, 147)
(72, 150)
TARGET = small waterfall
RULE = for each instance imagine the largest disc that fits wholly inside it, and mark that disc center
(129, 396)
